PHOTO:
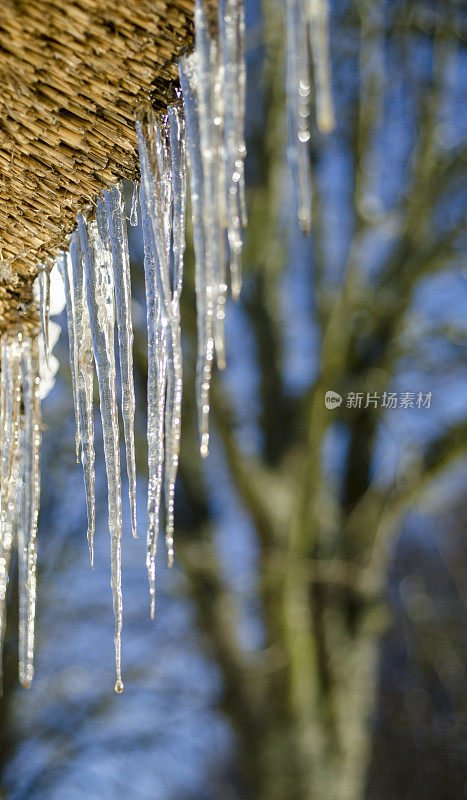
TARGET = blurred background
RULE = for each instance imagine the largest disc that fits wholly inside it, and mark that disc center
(311, 641)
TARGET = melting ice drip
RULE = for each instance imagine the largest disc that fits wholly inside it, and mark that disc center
(20, 439)
(307, 50)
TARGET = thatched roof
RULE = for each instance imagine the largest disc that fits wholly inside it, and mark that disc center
(72, 73)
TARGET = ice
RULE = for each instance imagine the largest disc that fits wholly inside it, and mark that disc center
(20, 442)
(162, 200)
(134, 206)
(44, 308)
(232, 39)
(28, 506)
(204, 316)
(174, 398)
(96, 278)
(211, 120)
(48, 362)
(25, 378)
(212, 80)
(83, 359)
(100, 301)
(64, 264)
(10, 403)
(178, 165)
(157, 365)
(306, 38)
(121, 272)
(319, 46)
(298, 92)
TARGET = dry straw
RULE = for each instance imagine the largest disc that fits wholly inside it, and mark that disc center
(72, 73)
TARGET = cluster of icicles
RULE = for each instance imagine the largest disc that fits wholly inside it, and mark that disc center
(207, 121)
(204, 127)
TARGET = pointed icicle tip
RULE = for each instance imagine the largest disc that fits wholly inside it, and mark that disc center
(204, 447)
(134, 206)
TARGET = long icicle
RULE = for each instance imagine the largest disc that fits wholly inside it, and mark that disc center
(29, 509)
(157, 361)
(162, 199)
(156, 198)
(306, 41)
(64, 265)
(84, 386)
(214, 212)
(298, 91)
(99, 293)
(10, 399)
(213, 83)
(204, 319)
(232, 46)
(121, 271)
(174, 400)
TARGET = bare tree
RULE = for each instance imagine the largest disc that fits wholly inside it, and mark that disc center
(302, 706)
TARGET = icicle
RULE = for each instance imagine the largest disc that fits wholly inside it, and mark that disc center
(213, 89)
(99, 293)
(10, 399)
(319, 45)
(102, 226)
(232, 35)
(134, 206)
(44, 307)
(177, 151)
(298, 90)
(155, 399)
(214, 212)
(48, 367)
(84, 383)
(162, 200)
(64, 265)
(121, 272)
(306, 31)
(188, 81)
(174, 399)
(29, 490)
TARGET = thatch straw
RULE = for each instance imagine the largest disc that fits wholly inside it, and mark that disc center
(72, 73)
